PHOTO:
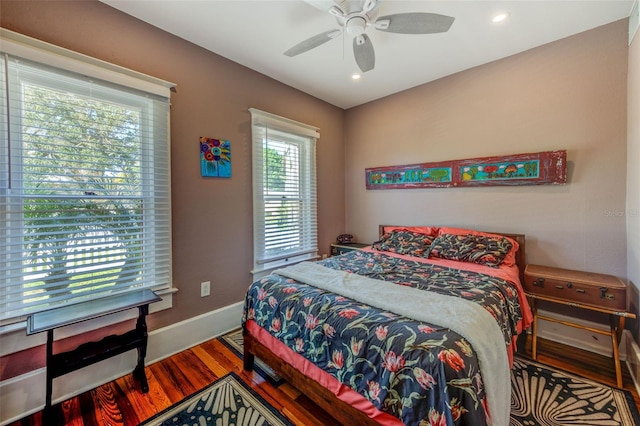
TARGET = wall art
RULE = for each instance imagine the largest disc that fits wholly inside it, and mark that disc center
(215, 157)
(541, 168)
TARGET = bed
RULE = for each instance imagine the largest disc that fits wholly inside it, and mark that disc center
(419, 328)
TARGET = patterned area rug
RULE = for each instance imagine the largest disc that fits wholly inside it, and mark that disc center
(542, 395)
(233, 341)
(226, 402)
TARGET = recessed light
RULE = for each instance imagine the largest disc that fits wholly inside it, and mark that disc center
(500, 17)
(356, 76)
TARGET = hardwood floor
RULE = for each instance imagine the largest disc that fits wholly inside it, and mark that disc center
(170, 380)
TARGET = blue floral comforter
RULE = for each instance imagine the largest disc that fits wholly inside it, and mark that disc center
(419, 372)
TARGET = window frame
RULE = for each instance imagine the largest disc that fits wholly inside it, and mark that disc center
(266, 126)
(50, 56)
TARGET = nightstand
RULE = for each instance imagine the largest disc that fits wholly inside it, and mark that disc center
(337, 249)
(584, 290)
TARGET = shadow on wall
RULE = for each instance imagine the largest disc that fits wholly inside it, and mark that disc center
(634, 324)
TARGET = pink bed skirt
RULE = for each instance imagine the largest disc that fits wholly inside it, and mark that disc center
(310, 370)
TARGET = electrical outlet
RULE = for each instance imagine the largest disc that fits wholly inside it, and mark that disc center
(205, 288)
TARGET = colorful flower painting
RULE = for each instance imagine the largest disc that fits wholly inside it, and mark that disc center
(215, 157)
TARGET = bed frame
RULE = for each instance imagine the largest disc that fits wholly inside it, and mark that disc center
(324, 398)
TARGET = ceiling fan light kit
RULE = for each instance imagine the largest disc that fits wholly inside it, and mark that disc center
(356, 26)
(361, 14)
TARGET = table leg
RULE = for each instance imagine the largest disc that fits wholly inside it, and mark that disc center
(49, 386)
(141, 327)
(616, 332)
(534, 333)
(621, 321)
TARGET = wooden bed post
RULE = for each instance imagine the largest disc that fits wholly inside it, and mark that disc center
(248, 357)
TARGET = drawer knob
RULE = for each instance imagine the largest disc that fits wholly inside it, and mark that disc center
(539, 282)
(569, 285)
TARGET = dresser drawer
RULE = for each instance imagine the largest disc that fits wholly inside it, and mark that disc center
(580, 287)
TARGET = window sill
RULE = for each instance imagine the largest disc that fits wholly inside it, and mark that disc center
(263, 270)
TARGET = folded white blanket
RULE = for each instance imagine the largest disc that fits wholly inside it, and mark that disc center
(466, 318)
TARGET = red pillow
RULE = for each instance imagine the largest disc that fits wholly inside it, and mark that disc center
(426, 230)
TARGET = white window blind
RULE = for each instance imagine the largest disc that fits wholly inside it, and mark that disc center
(84, 188)
(284, 190)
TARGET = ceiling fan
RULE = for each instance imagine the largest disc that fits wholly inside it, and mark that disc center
(354, 16)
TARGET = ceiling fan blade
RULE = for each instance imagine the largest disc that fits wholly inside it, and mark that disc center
(414, 23)
(364, 53)
(312, 42)
(368, 5)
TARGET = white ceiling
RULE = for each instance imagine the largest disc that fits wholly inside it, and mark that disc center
(255, 33)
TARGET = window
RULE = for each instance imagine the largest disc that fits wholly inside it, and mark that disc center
(84, 186)
(284, 191)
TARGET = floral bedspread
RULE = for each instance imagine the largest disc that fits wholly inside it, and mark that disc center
(419, 372)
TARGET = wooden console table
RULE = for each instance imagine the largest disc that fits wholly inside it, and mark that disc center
(89, 353)
(583, 290)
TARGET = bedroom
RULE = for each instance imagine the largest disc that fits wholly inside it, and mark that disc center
(575, 94)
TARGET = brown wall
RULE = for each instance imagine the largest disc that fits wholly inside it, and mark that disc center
(212, 218)
(570, 94)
